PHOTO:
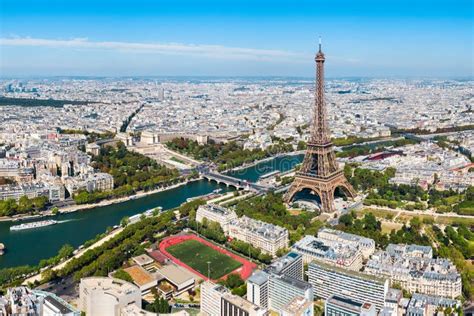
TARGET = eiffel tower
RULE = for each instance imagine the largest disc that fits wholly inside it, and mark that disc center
(320, 172)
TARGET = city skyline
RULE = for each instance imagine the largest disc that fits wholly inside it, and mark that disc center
(236, 39)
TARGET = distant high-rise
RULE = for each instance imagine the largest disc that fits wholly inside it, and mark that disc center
(161, 93)
(320, 172)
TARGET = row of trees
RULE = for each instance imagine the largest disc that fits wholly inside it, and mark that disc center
(249, 250)
(459, 247)
(359, 150)
(456, 245)
(228, 155)
(369, 226)
(410, 197)
(131, 168)
(91, 136)
(131, 172)
(111, 254)
(13, 276)
(24, 205)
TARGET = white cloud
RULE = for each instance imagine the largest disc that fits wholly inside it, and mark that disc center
(212, 51)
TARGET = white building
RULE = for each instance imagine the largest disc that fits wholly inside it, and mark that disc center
(211, 296)
(283, 289)
(365, 245)
(99, 296)
(216, 213)
(233, 305)
(23, 301)
(267, 237)
(333, 252)
(413, 267)
(257, 288)
(290, 265)
(329, 280)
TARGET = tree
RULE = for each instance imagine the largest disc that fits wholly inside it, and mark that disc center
(66, 251)
(124, 221)
(123, 275)
(160, 305)
(234, 280)
(415, 223)
(346, 219)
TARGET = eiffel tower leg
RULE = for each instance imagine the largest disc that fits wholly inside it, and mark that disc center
(346, 188)
(294, 188)
(327, 201)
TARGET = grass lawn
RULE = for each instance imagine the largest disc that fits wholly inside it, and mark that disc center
(196, 255)
(388, 226)
(406, 217)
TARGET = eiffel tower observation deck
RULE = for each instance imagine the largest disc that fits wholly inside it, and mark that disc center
(320, 172)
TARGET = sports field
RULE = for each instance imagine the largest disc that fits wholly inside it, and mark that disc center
(196, 255)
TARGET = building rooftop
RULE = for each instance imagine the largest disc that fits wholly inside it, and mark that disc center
(59, 306)
(355, 274)
(175, 274)
(347, 236)
(280, 264)
(297, 305)
(258, 277)
(263, 229)
(241, 302)
(142, 260)
(216, 209)
(139, 275)
(111, 286)
(302, 285)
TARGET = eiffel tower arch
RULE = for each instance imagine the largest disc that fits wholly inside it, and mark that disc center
(320, 172)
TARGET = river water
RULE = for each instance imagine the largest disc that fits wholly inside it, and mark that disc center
(30, 246)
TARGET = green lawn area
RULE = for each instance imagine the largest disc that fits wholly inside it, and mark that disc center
(196, 255)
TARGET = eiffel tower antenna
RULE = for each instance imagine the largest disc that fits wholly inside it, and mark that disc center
(320, 172)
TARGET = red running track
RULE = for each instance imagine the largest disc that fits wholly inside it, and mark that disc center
(245, 270)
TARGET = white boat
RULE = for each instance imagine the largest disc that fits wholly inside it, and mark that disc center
(34, 225)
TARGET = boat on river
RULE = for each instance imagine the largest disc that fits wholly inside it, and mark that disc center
(34, 225)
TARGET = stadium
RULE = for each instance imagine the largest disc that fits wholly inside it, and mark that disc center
(194, 253)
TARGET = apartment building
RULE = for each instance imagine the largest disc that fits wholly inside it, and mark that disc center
(233, 305)
(211, 296)
(365, 245)
(283, 289)
(267, 237)
(334, 252)
(216, 213)
(290, 265)
(328, 280)
(342, 306)
(414, 268)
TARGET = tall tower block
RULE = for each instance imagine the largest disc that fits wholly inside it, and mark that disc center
(320, 172)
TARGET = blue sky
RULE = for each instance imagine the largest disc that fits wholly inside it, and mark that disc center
(236, 38)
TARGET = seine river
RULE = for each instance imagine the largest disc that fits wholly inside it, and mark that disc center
(30, 246)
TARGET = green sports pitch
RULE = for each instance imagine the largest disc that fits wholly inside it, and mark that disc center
(196, 255)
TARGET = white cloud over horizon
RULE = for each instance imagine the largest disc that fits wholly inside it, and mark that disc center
(210, 51)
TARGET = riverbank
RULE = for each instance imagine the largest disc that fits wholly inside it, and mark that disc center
(83, 207)
(75, 228)
(256, 162)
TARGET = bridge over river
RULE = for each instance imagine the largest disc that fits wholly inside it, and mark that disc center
(234, 182)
